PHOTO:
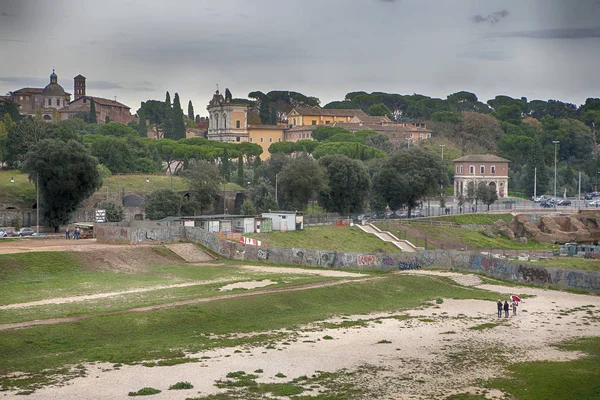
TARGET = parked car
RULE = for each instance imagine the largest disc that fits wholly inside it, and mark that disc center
(588, 196)
(417, 214)
(3, 233)
(595, 203)
(24, 232)
(563, 202)
(547, 204)
(403, 214)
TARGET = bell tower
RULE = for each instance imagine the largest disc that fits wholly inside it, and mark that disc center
(79, 86)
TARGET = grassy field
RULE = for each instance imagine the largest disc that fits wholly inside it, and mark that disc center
(475, 219)
(569, 263)
(327, 238)
(456, 238)
(20, 193)
(578, 379)
(34, 277)
(165, 333)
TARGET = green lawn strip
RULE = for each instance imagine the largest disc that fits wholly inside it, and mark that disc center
(21, 192)
(150, 298)
(471, 238)
(475, 219)
(334, 238)
(567, 263)
(134, 337)
(557, 380)
(37, 276)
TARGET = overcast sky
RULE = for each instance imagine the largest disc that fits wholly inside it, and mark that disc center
(138, 49)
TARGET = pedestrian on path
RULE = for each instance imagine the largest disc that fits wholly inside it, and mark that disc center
(506, 309)
(68, 233)
(514, 307)
(499, 308)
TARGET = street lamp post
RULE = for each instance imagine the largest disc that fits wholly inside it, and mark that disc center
(276, 178)
(556, 142)
(442, 146)
(37, 206)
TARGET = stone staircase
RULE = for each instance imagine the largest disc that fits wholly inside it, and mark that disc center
(190, 252)
(386, 236)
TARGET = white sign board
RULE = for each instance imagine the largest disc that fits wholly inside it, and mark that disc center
(100, 215)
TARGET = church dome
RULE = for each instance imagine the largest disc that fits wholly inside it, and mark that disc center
(53, 88)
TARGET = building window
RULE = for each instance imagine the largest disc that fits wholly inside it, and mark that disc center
(294, 121)
(482, 169)
(237, 124)
(262, 140)
(314, 122)
(58, 102)
(493, 169)
(279, 140)
(461, 170)
(250, 140)
(472, 169)
(84, 100)
(327, 122)
(270, 140)
(237, 139)
(20, 97)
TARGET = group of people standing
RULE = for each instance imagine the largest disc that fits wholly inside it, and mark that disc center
(76, 233)
(506, 308)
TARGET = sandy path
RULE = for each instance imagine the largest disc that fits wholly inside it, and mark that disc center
(31, 245)
(416, 361)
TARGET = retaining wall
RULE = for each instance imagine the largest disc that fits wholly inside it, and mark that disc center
(466, 261)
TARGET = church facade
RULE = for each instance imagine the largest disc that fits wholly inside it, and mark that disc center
(53, 103)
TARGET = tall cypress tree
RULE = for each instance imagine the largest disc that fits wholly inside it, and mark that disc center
(241, 170)
(93, 119)
(190, 110)
(225, 165)
(142, 127)
(168, 120)
(178, 123)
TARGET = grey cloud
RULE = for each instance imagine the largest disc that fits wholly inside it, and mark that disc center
(144, 86)
(93, 84)
(13, 40)
(24, 81)
(565, 33)
(493, 17)
(388, 1)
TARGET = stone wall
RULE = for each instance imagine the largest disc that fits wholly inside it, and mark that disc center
(446, 259)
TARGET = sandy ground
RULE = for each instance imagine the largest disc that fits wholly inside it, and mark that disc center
(25, 245)
(427, 357)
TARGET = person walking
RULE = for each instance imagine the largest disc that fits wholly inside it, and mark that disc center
(505, 309)
(514, 307)
(499, 308)
(67, 234)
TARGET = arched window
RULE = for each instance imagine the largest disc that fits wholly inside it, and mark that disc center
(224, 120)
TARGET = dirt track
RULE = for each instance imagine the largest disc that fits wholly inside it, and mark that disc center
(27, 245)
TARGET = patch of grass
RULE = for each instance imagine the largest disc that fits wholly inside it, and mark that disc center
(327, 238)
(557, 380)
(280, 389)
(567, 263)
(439, 300)
(448, 333)
(147, 391)
(466, 396)
(474, 219)
(280, 375)
(20, 193)
(327, 337)
(487, 325)
(181, 386)
(163, 334)
(384, 341)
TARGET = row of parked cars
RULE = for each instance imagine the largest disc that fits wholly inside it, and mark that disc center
(21, 232)
(390, 215)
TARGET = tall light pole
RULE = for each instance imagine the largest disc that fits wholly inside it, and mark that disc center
(37, 207)
(442, 146)
(556, 142)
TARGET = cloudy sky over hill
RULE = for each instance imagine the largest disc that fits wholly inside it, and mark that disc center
(138, 49)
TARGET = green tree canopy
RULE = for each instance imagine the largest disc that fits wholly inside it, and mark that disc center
(177, 116)
(323, 132)
(204, 179)
(379, 109)
(355, 151)
(300, 180)
(349, 185)
(408, 175)
(67, 174)
(162, 203)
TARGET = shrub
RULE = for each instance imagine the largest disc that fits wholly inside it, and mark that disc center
(181, 385)
(147, 391)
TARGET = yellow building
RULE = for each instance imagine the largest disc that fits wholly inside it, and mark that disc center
(303, 116)
(228, 122)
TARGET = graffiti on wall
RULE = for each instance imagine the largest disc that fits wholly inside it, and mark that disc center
(262, 255)
(531, 274)
(328, 258)
(387, 262)
(583, 281)
(368, 259)
(409, 265)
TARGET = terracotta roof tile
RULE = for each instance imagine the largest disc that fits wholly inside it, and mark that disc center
(481, 158)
